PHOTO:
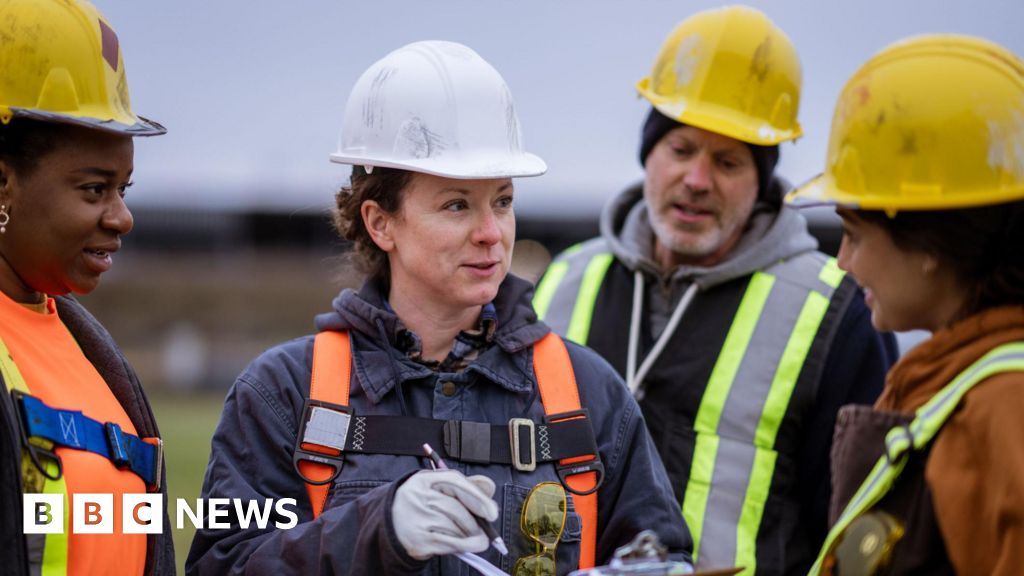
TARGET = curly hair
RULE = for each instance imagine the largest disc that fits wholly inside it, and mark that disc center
(984, 247)
(384, 186)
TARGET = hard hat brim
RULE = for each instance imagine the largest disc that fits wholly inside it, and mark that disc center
(815, 193)
(821, 191)
(480, 167)
(142, 127)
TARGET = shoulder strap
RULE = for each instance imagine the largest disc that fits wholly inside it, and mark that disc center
(332, 360)
(330, 381)
(559, 393)
(928, 420)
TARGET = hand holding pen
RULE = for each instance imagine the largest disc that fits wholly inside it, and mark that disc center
(487, 527)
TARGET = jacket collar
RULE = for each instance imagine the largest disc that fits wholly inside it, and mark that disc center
(928, 367)
(380, 363)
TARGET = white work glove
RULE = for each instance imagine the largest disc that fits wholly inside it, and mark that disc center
(433, 513)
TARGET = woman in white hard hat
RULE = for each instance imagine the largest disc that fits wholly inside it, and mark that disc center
(78, 427)
(441, 346)
(926, 166)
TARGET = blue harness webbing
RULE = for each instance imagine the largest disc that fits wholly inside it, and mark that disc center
(72, 429)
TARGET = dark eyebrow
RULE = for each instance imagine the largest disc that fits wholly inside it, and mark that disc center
(94, 171)
(465, 192)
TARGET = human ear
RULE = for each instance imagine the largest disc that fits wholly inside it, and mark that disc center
(378, 224)
(930, 264)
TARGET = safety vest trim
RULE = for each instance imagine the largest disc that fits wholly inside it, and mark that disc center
(329, 387)
(927, 422)
(54, 561)
(765, 349)
(584, 272)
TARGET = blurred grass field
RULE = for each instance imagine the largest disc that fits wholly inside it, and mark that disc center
(186, 424)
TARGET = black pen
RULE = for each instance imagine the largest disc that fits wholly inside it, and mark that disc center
(488, 529)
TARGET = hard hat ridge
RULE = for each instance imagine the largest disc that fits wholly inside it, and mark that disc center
(62, 62)
(435, 107)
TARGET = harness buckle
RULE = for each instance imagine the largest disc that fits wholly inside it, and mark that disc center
(578, 465)
(158, 462)
(321, 439)
(118, 455)
(515, 427)
(34, 450)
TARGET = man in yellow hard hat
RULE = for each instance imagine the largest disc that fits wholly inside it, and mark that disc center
(738, 337)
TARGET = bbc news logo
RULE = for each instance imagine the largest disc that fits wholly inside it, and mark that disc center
(143, 513)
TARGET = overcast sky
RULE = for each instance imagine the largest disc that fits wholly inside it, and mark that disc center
(252, 92)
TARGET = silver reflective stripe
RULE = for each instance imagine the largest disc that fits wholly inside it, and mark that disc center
(741, 415)
(810, 270)
(558, 312)
(729, 482)
(754, 401)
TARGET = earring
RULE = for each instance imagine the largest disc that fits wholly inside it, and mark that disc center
(4, 218)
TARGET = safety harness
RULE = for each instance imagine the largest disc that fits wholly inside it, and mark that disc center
(565, 437)
(72, 429)
(44, 429)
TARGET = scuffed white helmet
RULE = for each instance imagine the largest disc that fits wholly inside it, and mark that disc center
(435, 107)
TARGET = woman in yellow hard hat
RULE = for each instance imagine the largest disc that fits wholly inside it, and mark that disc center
(80, 443)
(926, 167)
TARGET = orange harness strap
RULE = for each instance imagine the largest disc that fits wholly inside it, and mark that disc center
(332, 360)
(559, 393)
(332, 371)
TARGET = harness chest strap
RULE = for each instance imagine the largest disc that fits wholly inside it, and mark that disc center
(327, 411)
(44, 429)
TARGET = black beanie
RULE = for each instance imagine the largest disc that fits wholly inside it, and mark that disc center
(765, 157)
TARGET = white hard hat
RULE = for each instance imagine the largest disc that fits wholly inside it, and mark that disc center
(435, 107)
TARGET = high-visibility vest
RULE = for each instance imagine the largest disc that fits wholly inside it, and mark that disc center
(331, 380)
(782, 310)
(928, 420)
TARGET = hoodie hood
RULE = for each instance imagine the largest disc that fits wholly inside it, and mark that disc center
(770, 236)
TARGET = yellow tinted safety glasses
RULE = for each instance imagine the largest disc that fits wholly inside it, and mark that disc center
(542, 521)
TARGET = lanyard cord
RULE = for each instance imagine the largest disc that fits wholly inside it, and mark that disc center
(634, 377)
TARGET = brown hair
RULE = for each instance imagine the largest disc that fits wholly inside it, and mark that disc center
(984, 247)
(384, 186)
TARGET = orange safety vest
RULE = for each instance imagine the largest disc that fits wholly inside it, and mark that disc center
(331, 380)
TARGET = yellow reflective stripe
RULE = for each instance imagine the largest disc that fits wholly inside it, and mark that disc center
(735, 347)
(55, 551)
(698, 487)
(546, 289)
(788, 371)
(938, 409)
(11, 374)
(831, 274)
(753, 509)
(775, 407)
(710, 412)
(583, 311)
(55, 548)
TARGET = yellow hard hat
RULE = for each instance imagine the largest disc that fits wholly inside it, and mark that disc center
(61, 62)
(731, 71)
(929, 123)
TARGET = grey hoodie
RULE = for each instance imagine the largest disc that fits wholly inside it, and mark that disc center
(770, 236)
